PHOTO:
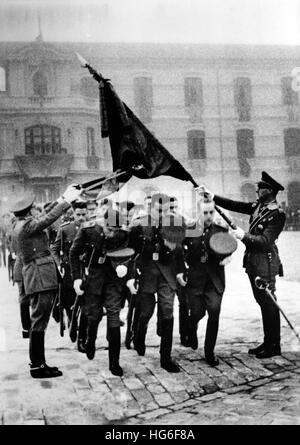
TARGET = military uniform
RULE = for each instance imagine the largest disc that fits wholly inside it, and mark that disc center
(205, 286)
(24, 300)
(102, 286)
(261, 256)
(158, 275)
(61, 248)
(40, 280)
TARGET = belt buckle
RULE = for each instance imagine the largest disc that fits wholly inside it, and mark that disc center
(155, 256)
(101, 259)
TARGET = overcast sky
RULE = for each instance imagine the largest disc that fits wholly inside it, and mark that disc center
(195, 21)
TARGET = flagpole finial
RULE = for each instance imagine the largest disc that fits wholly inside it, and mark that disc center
(82, 61)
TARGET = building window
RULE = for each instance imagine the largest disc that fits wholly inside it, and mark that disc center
(242, 98)
(89, 88)
(292, 142)
(90, 141)
(196, 144)
(193, 92)
(2, 79)
(289, 96)
(245, 149)
(42, 140)
(39, 82)
(143, 98)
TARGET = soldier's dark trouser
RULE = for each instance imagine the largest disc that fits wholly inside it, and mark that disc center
(270, 313)
(183, 313)
(165, 302)
(210, 300)
(41, 305)
(93, 311)
(114, 293)
(68, 299)
(24, 302)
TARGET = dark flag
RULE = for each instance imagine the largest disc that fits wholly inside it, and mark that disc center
(133, 146)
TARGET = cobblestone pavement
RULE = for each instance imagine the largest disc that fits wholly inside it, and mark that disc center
(241, 390)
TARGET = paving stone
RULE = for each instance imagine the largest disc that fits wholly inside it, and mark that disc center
(180, 396)
(13, 417)
(183, 405)
(10, 377)
(237, 389)
(163, 399)
(132, 408)
(154, 414)
(133, 383)
(147, 378)
(34, 422)
(254, 364)
(32, 412)
(210, 388)
(214, 396)
(242, 369)
(260, 382)
(155, 388)
(142, 396)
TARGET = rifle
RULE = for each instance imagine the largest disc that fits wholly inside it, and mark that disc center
(131, 314)
(77, 304)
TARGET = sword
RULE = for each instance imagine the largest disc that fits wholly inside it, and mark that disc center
(263, 284)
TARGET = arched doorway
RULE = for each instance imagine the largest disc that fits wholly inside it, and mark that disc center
(248, 192)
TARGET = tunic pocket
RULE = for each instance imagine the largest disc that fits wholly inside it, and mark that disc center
(47, 272)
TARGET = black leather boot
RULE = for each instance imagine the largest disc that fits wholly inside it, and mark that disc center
(82, 332)
(38, 367)
(211, 360)
(140, 337)
(254, 351)
(114, 345)
(166, 361)
(90, 344)
(270, 350)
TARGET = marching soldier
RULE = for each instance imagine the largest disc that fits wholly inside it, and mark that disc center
(39, 273)
(102, 286)
(202, 278)
(156, 236)
(261, 257)
(91, 207)
(61, 248)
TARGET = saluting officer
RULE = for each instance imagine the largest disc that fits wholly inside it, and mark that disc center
(24, 300)
(61, 248)
(202, 275)
(155, 236)
(39, 273)
(261, 257)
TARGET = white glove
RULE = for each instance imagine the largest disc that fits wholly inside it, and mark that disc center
(13, 255)
(77, 286)
(121, 270)
(238, 233)
(71, 193)
(226, 261)
(131, 286)
(180, 279)
(201, 190)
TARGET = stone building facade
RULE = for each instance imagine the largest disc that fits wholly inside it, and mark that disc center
(225, 112)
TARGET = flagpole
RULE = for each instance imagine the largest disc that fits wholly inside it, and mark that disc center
(103, 181)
